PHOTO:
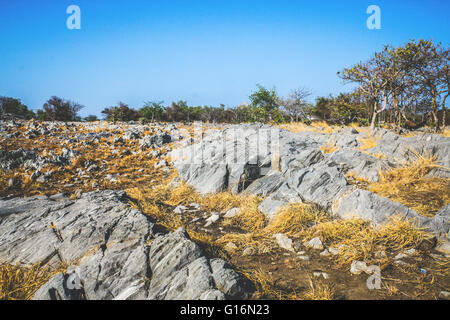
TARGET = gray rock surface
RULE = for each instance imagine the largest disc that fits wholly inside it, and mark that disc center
(285, 167)
(113, 250)
(401, 149)
(284, 241)
(315, 243)
(441, 221)
(371, 207)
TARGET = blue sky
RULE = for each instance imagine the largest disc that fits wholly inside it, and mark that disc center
(205, 52)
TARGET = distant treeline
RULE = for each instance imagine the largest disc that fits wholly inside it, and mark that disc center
(406, 86)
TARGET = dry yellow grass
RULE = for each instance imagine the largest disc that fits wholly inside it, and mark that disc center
(296, 127)
(149, 200)
(391, 289)
(261, 281)
(290, 220)
(446, 132)
(156, 201)
(182, 194)
(410, 134)
(358, 240)
(319, 290)
(320, 126)
(259, 242)
(368, 143)
(221, 202)
(378, 155)
(295, 218)
(400, 233)
(160, 192)
(21, 283)
(410, 186)
(265, 288)
(443, 263)
(249, 217)
(329, 149)
(355, 238)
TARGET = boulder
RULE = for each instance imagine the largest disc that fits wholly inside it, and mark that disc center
(113, 250)
(371, 207)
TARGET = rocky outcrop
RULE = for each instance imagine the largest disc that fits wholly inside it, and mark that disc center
(113, 251)
(371, 207)
(286, 167)
(400, 149)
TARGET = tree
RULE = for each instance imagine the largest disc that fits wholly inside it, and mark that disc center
(152, 110)
(58, 109)
(122, 112)
(266, 100)
(178, 111)
(15, 107)
(372, 84)
(91, 118)
(323, 107)
(42, 116)
(446, 80)
(349, 108)
(430, 65)
(296, 105)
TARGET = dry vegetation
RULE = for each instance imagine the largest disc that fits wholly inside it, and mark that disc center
(316, 126)
(319, 290)
(329, 149)
(355, 239)
(446, 132)
(125, 160)
(410, 186)
(157, 194)
(368, 143)
(20, 283)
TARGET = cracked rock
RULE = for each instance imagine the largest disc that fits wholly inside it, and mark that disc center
(118, 252)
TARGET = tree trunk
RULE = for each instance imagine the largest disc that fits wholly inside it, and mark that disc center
(372, 123)
(434, 113)
(444, 117)
(397, 114)
(444, 111)
(436, 120)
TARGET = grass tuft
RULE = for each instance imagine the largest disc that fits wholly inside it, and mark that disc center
(265, 288)
(297, 127)
(358, 240)
(295, 218)
(329, 149)
(410, 186)
(21, 283)
(250, 218)
(368, 143)
(400, 233)
(319, 290)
